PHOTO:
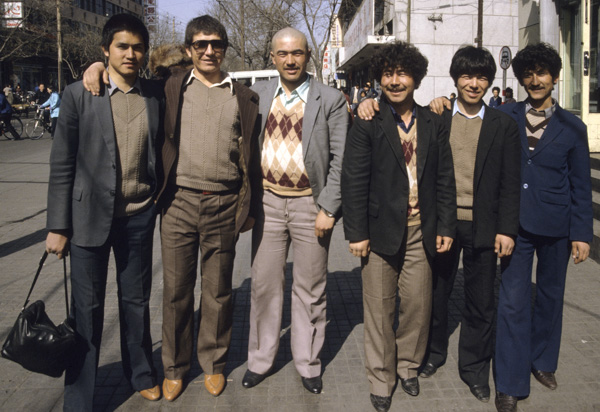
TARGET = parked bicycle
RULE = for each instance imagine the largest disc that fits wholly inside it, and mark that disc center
(36, 128)
(14, 130)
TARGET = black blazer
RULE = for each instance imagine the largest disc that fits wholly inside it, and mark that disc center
(375, 182)
(496, 178)
(83, 172)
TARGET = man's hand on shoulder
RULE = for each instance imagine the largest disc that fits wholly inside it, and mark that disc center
(92, 77)
(360, 249)
(367, 108)
(439, 104)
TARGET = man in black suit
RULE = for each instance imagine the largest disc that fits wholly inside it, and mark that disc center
(485, 150)
(399, 200)
(101, 195)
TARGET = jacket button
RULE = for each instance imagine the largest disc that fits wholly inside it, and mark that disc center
(114, 167)
(529, 161)
(112, 192)
(525, 185)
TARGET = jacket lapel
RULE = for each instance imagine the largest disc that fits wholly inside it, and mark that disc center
(265, 107)
(424, 132)
(519, 114)
(311, 110)
(553, 129)
(489, 127)
(103, 113)
(390, 131)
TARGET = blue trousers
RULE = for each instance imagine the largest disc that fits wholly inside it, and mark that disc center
(526, 340)
(130, 239)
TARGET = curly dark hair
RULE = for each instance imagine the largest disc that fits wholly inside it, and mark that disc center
(403, 55)
(472, 61)
(537, 56)
(204, 24)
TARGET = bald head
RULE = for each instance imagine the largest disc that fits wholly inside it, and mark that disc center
(289, 33)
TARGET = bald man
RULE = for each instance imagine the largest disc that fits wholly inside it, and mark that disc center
(295, 199)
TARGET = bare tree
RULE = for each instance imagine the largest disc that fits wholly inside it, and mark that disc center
(81, 47)
(30, 37)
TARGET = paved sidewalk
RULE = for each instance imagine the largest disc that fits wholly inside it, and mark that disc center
(23, 185)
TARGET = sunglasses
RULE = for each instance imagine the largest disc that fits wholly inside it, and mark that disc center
(202, 45)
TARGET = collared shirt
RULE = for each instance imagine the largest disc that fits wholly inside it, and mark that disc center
(401, 123)
(456, 109)
(112, 87)
(226, 81)
(547, 112)
(299, 93)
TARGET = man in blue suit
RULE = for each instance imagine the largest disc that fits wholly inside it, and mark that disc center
(555, 223)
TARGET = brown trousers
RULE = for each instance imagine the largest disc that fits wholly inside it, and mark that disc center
(207, 221)
(406, 274)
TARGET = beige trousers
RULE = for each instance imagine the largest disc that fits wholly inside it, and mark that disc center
(285, 221)
(407, 274)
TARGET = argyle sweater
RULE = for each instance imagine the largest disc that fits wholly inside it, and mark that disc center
(282, 160)
(409, 147)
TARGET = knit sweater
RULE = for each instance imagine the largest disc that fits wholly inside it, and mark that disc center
(282, 159)
(535, 126)
(464, 137)
(409, 147)
(209, 139)
(134, 184)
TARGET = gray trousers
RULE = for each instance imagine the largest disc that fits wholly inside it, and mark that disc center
(285, 221)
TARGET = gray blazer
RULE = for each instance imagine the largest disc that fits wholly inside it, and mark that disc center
(323, 139)
(83, 163)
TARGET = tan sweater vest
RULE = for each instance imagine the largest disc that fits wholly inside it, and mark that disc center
(134, 185)
(284, 172)
(409, 147)
(464, 137)
(209, 139)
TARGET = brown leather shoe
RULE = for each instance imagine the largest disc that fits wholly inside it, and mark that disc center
(172, 388)
(152, 394)
(545, 378)
(214, 384)
(506, 403)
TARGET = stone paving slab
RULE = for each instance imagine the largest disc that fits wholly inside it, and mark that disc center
(23, 185)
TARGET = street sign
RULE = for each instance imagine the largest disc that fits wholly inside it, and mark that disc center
(505, 57)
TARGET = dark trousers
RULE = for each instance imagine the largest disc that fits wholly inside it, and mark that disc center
(524, 341)
(53, 126)
(475, 341)
(196, 220)
(130, 239)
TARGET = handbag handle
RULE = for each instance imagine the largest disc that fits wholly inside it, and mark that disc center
(37, 274)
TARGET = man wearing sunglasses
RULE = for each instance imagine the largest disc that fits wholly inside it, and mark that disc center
(204, 204)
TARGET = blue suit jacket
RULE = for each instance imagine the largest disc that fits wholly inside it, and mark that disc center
(556, 194)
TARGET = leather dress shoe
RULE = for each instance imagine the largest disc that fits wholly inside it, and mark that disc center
(506, 403)
(381, 403)
(410, 386)
(545, 378)
(152, 394)
(214, 384)
(481, 392)
(172, 388)
(428, 371)
(313, 385)
(252, 379)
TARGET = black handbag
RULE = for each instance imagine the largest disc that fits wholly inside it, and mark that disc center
(35, 342)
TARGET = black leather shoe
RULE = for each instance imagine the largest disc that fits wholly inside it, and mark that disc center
(381, 403)
(428, 371)
(313, 385)
(252, 379)
(506, 403)
(545, 378)
(410, 386)
(481, 392)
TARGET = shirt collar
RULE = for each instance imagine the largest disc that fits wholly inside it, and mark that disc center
(300, 91)
(113, 86)
(547, 112)
(456, 109)
(226, 81)
(399, 120)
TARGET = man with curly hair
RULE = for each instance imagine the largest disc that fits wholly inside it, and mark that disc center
(399, 199)
(555, 223)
